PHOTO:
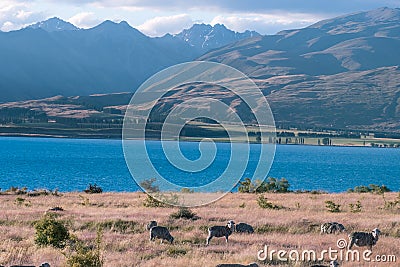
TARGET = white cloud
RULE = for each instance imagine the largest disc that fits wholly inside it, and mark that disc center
(84, 20)
(7, 26)
(251, 6)
(159, 26)
(265, 23)
(16, 14)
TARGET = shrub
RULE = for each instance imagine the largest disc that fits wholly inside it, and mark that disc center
(161, 200)
(184, 213)
(50, 232)
(187, 190)
(265, 204)
(151, 202)
(19, 200)
(355, 207)
(258, 186)
(332, 206)
(372, 188)
(148, 185)
(93, 189)
(85, 256)
(16, 190)
(392, 204)
(175, 252)
(85, 201)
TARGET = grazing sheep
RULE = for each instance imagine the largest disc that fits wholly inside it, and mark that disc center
(244, 228)
(221, 231)
(332, 228)
(331, 264)
(151, 224)
(160, 232)
(362, 239)
(237, 265)
(45, 264)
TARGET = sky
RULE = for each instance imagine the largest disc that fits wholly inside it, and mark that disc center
(158, 17)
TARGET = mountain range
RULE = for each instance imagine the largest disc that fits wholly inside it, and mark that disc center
(341, 73)
(54, 57)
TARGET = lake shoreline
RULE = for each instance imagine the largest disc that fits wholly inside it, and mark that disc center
(94, 137)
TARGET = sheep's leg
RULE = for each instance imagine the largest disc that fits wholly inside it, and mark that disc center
(226, 239)
(351, 243)
(208, 240)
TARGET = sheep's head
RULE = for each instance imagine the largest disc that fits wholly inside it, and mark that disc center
(231, 225)
(151, 224)
(333, 264)
(375, 233)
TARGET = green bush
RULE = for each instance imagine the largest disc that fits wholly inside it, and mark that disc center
(93, 189)
(265, 204)
(372, 188)
(148, 185)
(184, 213)
(187, 190)
(50, 232)
(151, 202)
(271, 185)
(85, 256)
(175, 252)
(355, 208)
(332, 206)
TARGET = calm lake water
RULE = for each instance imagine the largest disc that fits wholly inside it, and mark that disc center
(71, 164)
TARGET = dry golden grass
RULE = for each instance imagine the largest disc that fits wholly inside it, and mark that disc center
(295, 227)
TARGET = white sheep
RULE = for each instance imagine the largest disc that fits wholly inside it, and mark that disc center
(221, 231)
(332, 228)
(244, 228)
(160, 232)
(151, 224)
(363, 239)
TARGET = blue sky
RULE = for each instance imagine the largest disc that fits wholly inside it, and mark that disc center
(157, 17)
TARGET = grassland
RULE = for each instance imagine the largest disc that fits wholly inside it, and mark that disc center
(125, 240)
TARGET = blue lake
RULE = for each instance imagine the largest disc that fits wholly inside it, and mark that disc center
(71, 164)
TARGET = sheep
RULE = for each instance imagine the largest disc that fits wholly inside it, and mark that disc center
(331, 264)
(332, 228)
(221, 231)
(160, 232)
(244, 228)
(363, 239)
(237, 265)
(150, 225)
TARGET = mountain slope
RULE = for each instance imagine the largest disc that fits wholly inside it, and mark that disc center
(338, 73)
(355, 42)
(205, 37)
(107, 58)
(56, 58)
(54, 24)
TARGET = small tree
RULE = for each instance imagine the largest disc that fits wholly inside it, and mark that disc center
(332, 206)
(85, 256)
(148, 185)
(258, 186)
(93, 189)
(50, 232)
(184, 213)
(355, 208)
(265, 204)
